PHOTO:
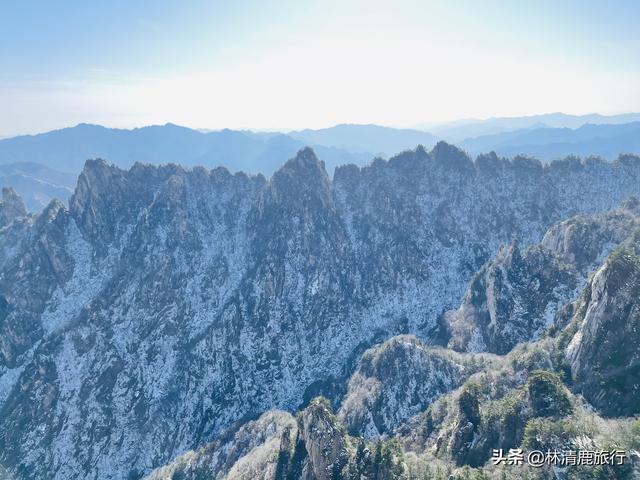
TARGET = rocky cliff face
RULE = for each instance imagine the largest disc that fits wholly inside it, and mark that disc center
(14, 224)
(313, 446)
(250, 451)
(517, 295)
(399, 379)
(166, 305)
(11, 207)
(604, 353)
(512, 299)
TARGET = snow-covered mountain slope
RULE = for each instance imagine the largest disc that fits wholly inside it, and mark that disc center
(399, 379)
(250, 451)
(313, 446)
(404, 417)
(165, 304)
(518, 295)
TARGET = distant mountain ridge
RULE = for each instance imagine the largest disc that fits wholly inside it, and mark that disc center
(67, 149)
(366, 138)
(546, 143)
(37, 184)
(32, 164)
(469, 128)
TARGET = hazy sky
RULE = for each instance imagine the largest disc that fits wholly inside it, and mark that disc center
(311, 64)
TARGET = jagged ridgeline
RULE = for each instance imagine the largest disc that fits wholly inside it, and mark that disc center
(167, 312)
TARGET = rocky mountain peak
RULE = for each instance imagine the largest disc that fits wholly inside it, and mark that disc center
(324, 440)
(11, 206)
(451, 156)
(97, 173)
(91, 205)
(108, 198)
(306, 158)
(306, 165)
(302, 180)
(396, 380)
(55, 211)
(585, 241)
(298, 199)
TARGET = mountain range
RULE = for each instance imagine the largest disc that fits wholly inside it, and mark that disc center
(34, 164)
(548, 144)
(67, 149)
(462, 129)
(415, 312)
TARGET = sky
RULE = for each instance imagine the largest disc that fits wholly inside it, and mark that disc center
(311, 64)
